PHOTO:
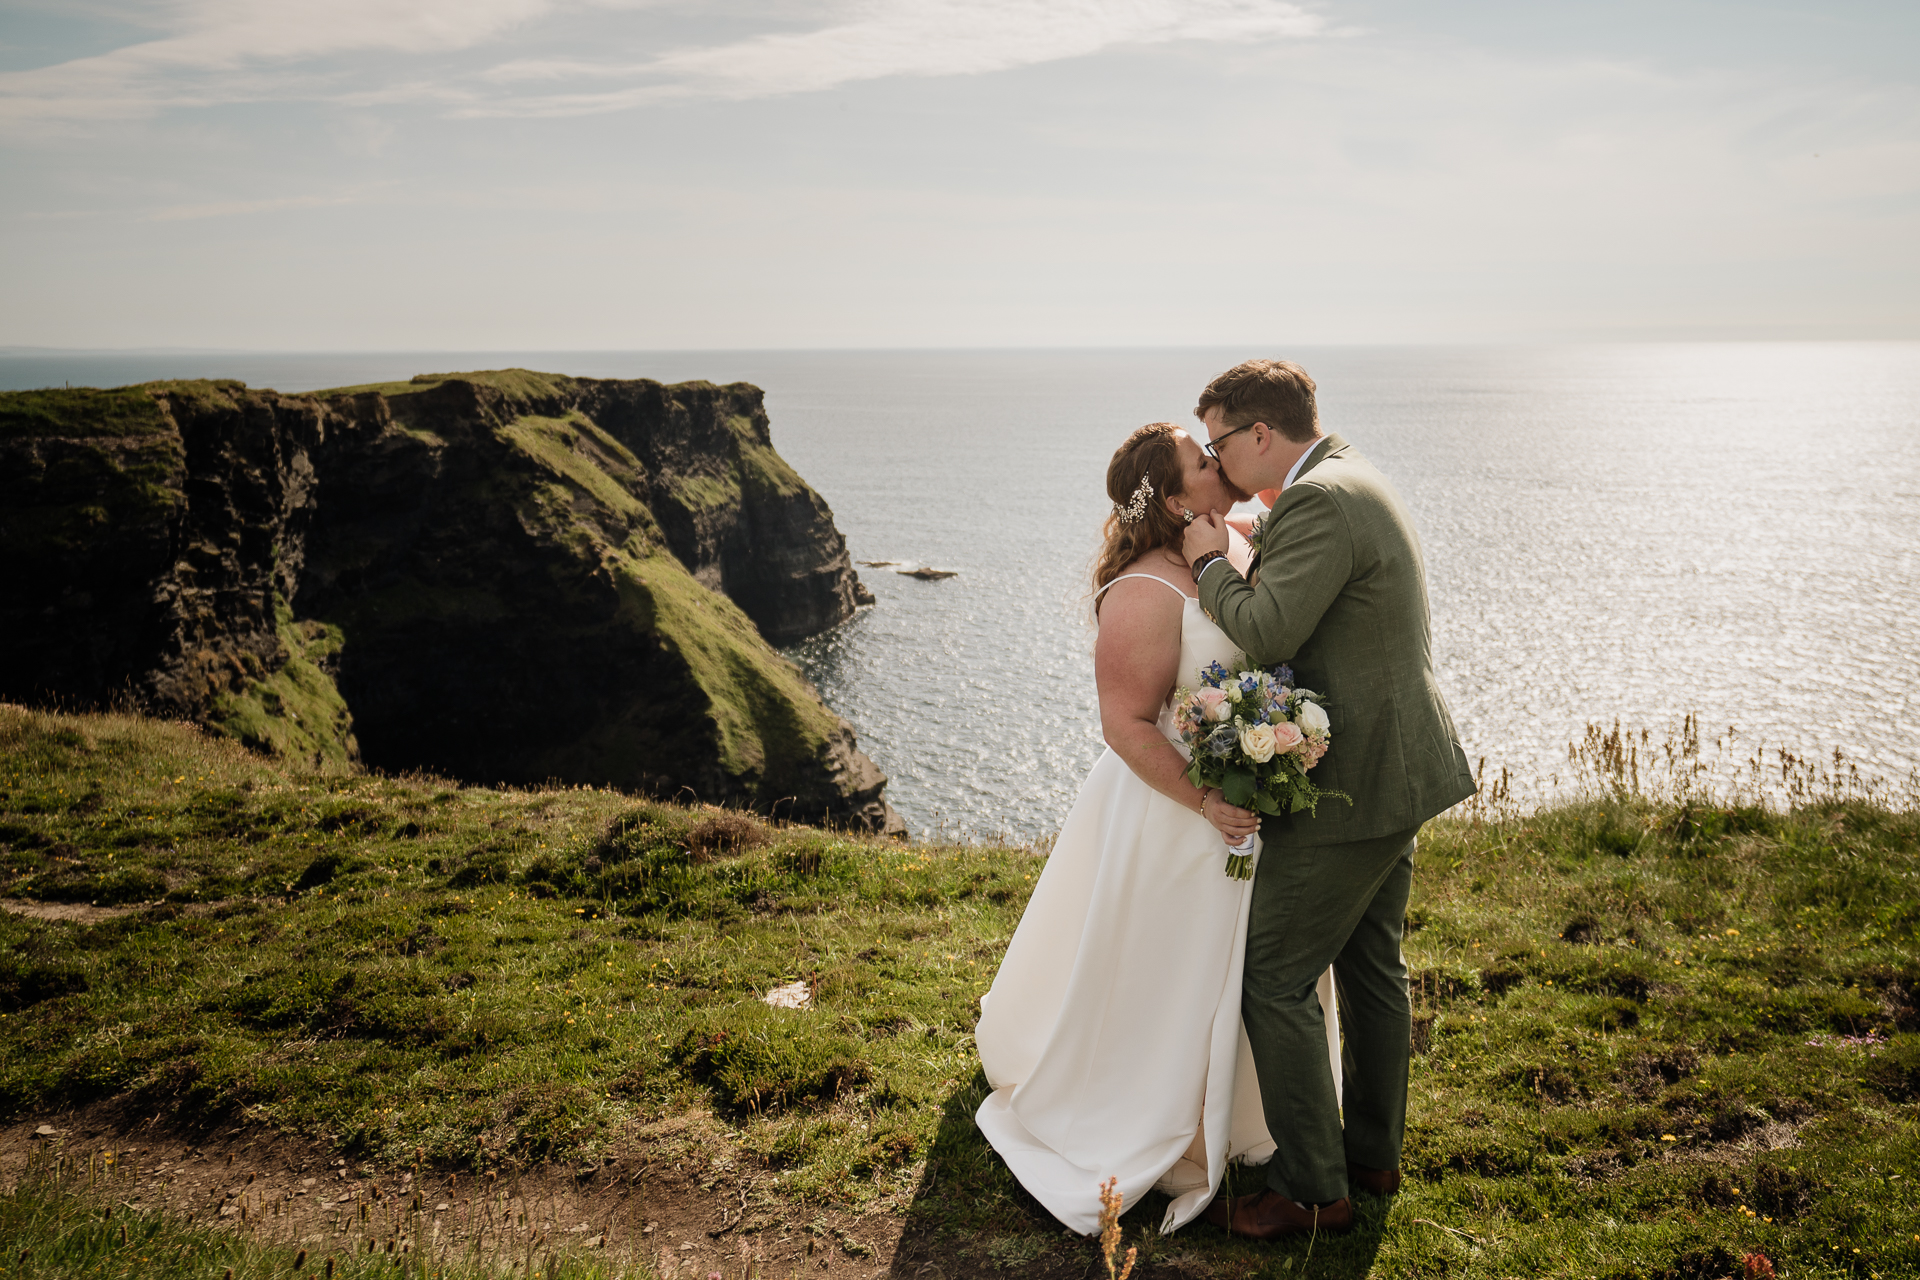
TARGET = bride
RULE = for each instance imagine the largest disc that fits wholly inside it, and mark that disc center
(1111, 1035)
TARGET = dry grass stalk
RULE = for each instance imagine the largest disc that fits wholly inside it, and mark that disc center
(1111, 1203)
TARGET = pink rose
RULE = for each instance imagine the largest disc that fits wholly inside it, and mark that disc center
(1213, 705)
(1286, 736)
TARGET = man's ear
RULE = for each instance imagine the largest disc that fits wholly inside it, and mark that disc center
(1265, 441)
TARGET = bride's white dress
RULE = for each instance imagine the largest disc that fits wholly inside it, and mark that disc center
(1113, 1025)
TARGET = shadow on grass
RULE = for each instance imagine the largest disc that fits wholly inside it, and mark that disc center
(969, 1218)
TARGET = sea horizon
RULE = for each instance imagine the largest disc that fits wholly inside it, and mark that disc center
(1631, 531)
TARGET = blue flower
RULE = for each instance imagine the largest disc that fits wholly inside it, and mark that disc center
(1283, 673)
(1223, 740)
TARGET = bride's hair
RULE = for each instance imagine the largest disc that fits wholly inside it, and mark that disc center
(1148, 452)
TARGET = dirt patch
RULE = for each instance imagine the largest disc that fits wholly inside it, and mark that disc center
(286, 1191)
(87, 913)
(71, 912)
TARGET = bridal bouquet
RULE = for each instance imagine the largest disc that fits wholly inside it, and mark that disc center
(1254, 736)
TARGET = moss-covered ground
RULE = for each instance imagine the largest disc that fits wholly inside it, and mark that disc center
(1653, 1038)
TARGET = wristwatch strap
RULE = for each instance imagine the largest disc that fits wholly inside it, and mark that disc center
(1201, 565)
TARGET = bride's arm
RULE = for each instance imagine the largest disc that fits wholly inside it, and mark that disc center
(1136, 661)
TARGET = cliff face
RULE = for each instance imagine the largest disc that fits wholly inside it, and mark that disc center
(150, 539)
(507, 577)
(731, 508)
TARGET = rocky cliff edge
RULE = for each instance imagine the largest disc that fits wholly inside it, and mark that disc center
(504, 576)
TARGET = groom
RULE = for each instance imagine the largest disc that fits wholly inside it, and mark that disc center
(1340, 593)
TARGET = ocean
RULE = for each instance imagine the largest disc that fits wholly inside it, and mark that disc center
(1614, 533)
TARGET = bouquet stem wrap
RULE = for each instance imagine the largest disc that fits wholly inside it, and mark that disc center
(1240, 858)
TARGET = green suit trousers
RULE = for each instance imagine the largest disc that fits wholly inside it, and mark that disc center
(1344, 905)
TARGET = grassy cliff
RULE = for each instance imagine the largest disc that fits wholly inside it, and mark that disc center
(1652, 1038)
(479, 574)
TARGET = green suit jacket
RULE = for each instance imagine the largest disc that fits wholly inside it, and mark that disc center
(1341, 596)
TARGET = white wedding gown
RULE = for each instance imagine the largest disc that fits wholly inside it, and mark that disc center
(1113, 1025)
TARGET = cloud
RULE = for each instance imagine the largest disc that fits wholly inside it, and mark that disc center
(902, 38)
(236, 51)
(252, 50)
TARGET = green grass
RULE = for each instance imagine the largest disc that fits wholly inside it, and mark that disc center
(80, 413)
(1655, 1036)
(765, 473)
(296, 711)
(521, 384)
(497, 976)
(606, 469)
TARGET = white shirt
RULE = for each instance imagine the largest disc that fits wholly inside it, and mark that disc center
(1293, 471)
(1301, 461)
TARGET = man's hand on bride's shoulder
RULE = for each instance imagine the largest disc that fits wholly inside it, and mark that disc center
(1207, 533)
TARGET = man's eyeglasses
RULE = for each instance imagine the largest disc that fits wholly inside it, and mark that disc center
(1213, 446)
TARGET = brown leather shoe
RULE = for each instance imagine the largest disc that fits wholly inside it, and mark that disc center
(1375, 1182)
(1268, 1215)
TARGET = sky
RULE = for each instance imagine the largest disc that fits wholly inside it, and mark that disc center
(641, 174)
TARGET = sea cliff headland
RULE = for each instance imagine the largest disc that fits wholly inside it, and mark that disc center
(503, 576)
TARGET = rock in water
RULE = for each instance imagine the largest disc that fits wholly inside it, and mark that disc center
(506, 576)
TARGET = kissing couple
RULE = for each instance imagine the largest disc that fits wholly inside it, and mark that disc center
(1154, 1017)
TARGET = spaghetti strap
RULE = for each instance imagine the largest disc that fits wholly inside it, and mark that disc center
(1156, 577)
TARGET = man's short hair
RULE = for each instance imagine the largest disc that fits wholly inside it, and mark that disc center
(1276, 392)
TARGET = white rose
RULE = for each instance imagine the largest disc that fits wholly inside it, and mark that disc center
(1311, 718)
(1257, 742)
(1232, 691)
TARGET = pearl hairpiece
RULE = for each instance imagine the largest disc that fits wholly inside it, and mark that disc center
(1136, 508)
